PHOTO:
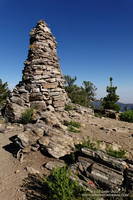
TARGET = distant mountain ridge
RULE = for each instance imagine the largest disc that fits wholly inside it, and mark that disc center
(123, 106)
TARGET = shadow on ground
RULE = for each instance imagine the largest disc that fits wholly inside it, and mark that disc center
(34, 188)
(13, 147)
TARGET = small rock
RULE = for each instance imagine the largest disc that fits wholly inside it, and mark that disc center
(44, 141)
(35, 147)
(102, 128)
(27, 149)
(114, 129)
(50, 108)
(54, 164)
(38, 131)
(31, 170)
(2, 128)
(17, 171)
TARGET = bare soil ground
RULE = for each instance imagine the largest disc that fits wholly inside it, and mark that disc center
(12, 172)
(111, 131)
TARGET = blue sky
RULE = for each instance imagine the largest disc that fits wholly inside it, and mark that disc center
(95, 39)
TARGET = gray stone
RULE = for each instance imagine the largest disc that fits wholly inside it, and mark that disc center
(60, 145)
(54, 164)
(2, 128)
(17, 100)
(50, 108)
(44, 141)
(14, 111)
(28, 138)
(22, 90)
(38, 105)
(31, 170)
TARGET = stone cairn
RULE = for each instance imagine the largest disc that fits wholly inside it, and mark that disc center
(42, 81)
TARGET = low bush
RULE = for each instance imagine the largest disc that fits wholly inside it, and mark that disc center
(127, 116)
(100, 115)
(116, 154)
(73, 129)
(4, 93)
(69, 107)
(62, 187)
(88, 144)
(27, 116)
(95, 145)
(72, 123)
(72, 126)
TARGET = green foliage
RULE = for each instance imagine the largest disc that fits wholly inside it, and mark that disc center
(73, 129)
(100, 115)
(69, 81)
(80, 95)
(73, 126)
(61, 187)
(27, 116)
(95, 145)
(69, 107)
(116, 154)
(127, 116)
(88, 144)
(4, 92)
(90, 90)
(23, 77)
(72, 123)
(109, 102)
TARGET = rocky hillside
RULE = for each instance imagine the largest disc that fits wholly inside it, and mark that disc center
(41, 146)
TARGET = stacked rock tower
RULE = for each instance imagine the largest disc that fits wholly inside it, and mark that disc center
(42, 84)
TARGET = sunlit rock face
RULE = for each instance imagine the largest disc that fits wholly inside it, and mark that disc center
(42, 84)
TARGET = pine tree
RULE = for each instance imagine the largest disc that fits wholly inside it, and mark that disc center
(80, 95)
(109, 102)
(69, 81)
(4, 92)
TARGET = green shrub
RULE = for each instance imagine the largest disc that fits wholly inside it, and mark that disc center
(73, 129)
(82, 95)
(109, 101)
(4, 93)
(116, 154)
(27, 116)
(69, 107)
(100, 115)
(73, 126)
(72, 123)
(88, 144)
(127, 116)
(61, 187)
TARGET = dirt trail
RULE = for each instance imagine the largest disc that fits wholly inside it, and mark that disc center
(12, 172)
(9, 180)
